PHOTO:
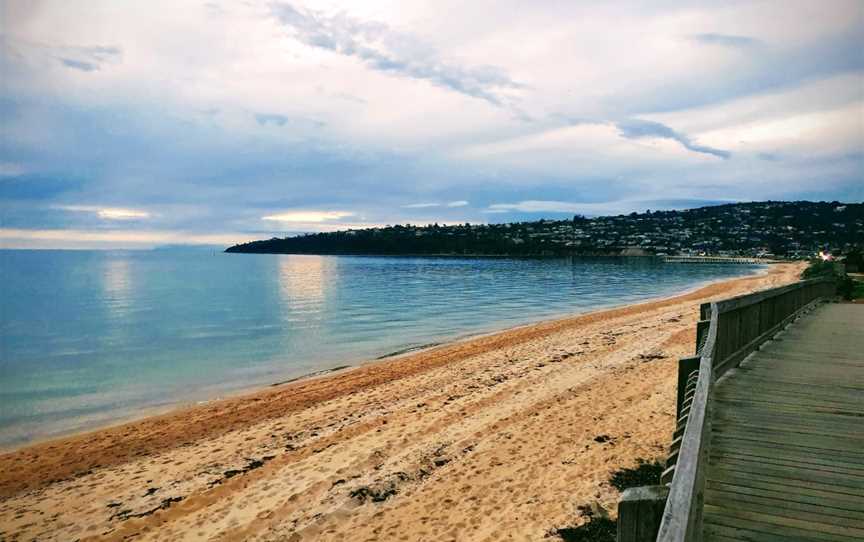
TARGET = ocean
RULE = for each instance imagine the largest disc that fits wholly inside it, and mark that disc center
(88, 338)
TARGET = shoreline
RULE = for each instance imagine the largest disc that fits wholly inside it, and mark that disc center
(181, 405)
(510, 430)
(528, 256)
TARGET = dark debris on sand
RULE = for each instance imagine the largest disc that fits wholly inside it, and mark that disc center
(598, 527)
(251, 465)
(646, 473)
(123, 515)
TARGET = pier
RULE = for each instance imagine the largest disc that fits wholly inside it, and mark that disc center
(717, 259)
(769, 444)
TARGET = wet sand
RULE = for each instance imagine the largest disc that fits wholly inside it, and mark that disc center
(491, 438)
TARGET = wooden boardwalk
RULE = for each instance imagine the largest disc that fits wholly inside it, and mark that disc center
(786, 458)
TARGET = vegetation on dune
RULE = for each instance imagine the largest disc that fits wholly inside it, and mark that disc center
(846, 287)
(858, 289)
(819, 269)
(855, 261)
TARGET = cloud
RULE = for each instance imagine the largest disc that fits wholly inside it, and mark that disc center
(622, 206)
(383, 49)
(271, 118)
(79, 64)
(392, 84)
(11, 238)
(537, 206)
(99, 53)
(637, 128)
(726, 40)
(458, 203)
(351, 98)
(308, 216)
(82, 58)
(107, 213)
(30, 186)
(778, 67)
(87, 59)
(10, 169)
(276, 119)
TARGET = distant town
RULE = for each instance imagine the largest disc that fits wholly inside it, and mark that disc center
(770, 229)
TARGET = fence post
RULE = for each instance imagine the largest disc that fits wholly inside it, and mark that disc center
(640, 512)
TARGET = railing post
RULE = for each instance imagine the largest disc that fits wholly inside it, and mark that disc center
(701, 333)
(640, 512)
(686, 366)
(705, 311)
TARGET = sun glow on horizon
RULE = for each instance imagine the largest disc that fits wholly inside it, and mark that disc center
(308, 216)
(108, 213)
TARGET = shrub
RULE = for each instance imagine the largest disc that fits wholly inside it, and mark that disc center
(818, 269)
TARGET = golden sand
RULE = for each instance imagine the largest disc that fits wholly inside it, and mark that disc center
(493, 438)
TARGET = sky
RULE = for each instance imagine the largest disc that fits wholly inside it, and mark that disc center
(141, 124)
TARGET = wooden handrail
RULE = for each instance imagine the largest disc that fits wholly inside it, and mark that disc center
(737, 327)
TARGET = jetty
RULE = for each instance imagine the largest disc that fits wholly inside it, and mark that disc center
(769, 444)
(717, 259)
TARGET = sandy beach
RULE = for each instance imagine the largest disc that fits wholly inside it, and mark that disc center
(499, 437)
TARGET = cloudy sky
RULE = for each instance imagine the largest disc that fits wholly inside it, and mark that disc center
(136, 124)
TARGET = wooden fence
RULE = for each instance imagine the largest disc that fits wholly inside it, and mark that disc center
(727, 332)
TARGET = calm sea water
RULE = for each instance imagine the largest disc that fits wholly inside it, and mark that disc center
(87, 338)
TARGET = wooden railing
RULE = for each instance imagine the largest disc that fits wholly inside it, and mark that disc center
(728, 331)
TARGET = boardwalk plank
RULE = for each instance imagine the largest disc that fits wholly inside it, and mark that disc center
(779, 459)
(780, 486)
(839, 507)
(828, 428)
(733, 529)
(833, 427)
(801, 438)
(772, 522)
(786, 459)
(790, 509)
(754, 440)
(755, 380)
(726, 472)
(793, 472)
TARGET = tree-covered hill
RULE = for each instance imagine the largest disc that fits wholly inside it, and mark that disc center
(779, 228)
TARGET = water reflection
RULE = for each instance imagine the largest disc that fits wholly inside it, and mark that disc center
(302, 281)
(117, 286)
(115, 332)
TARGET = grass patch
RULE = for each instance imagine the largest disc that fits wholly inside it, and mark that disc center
(646, 473)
